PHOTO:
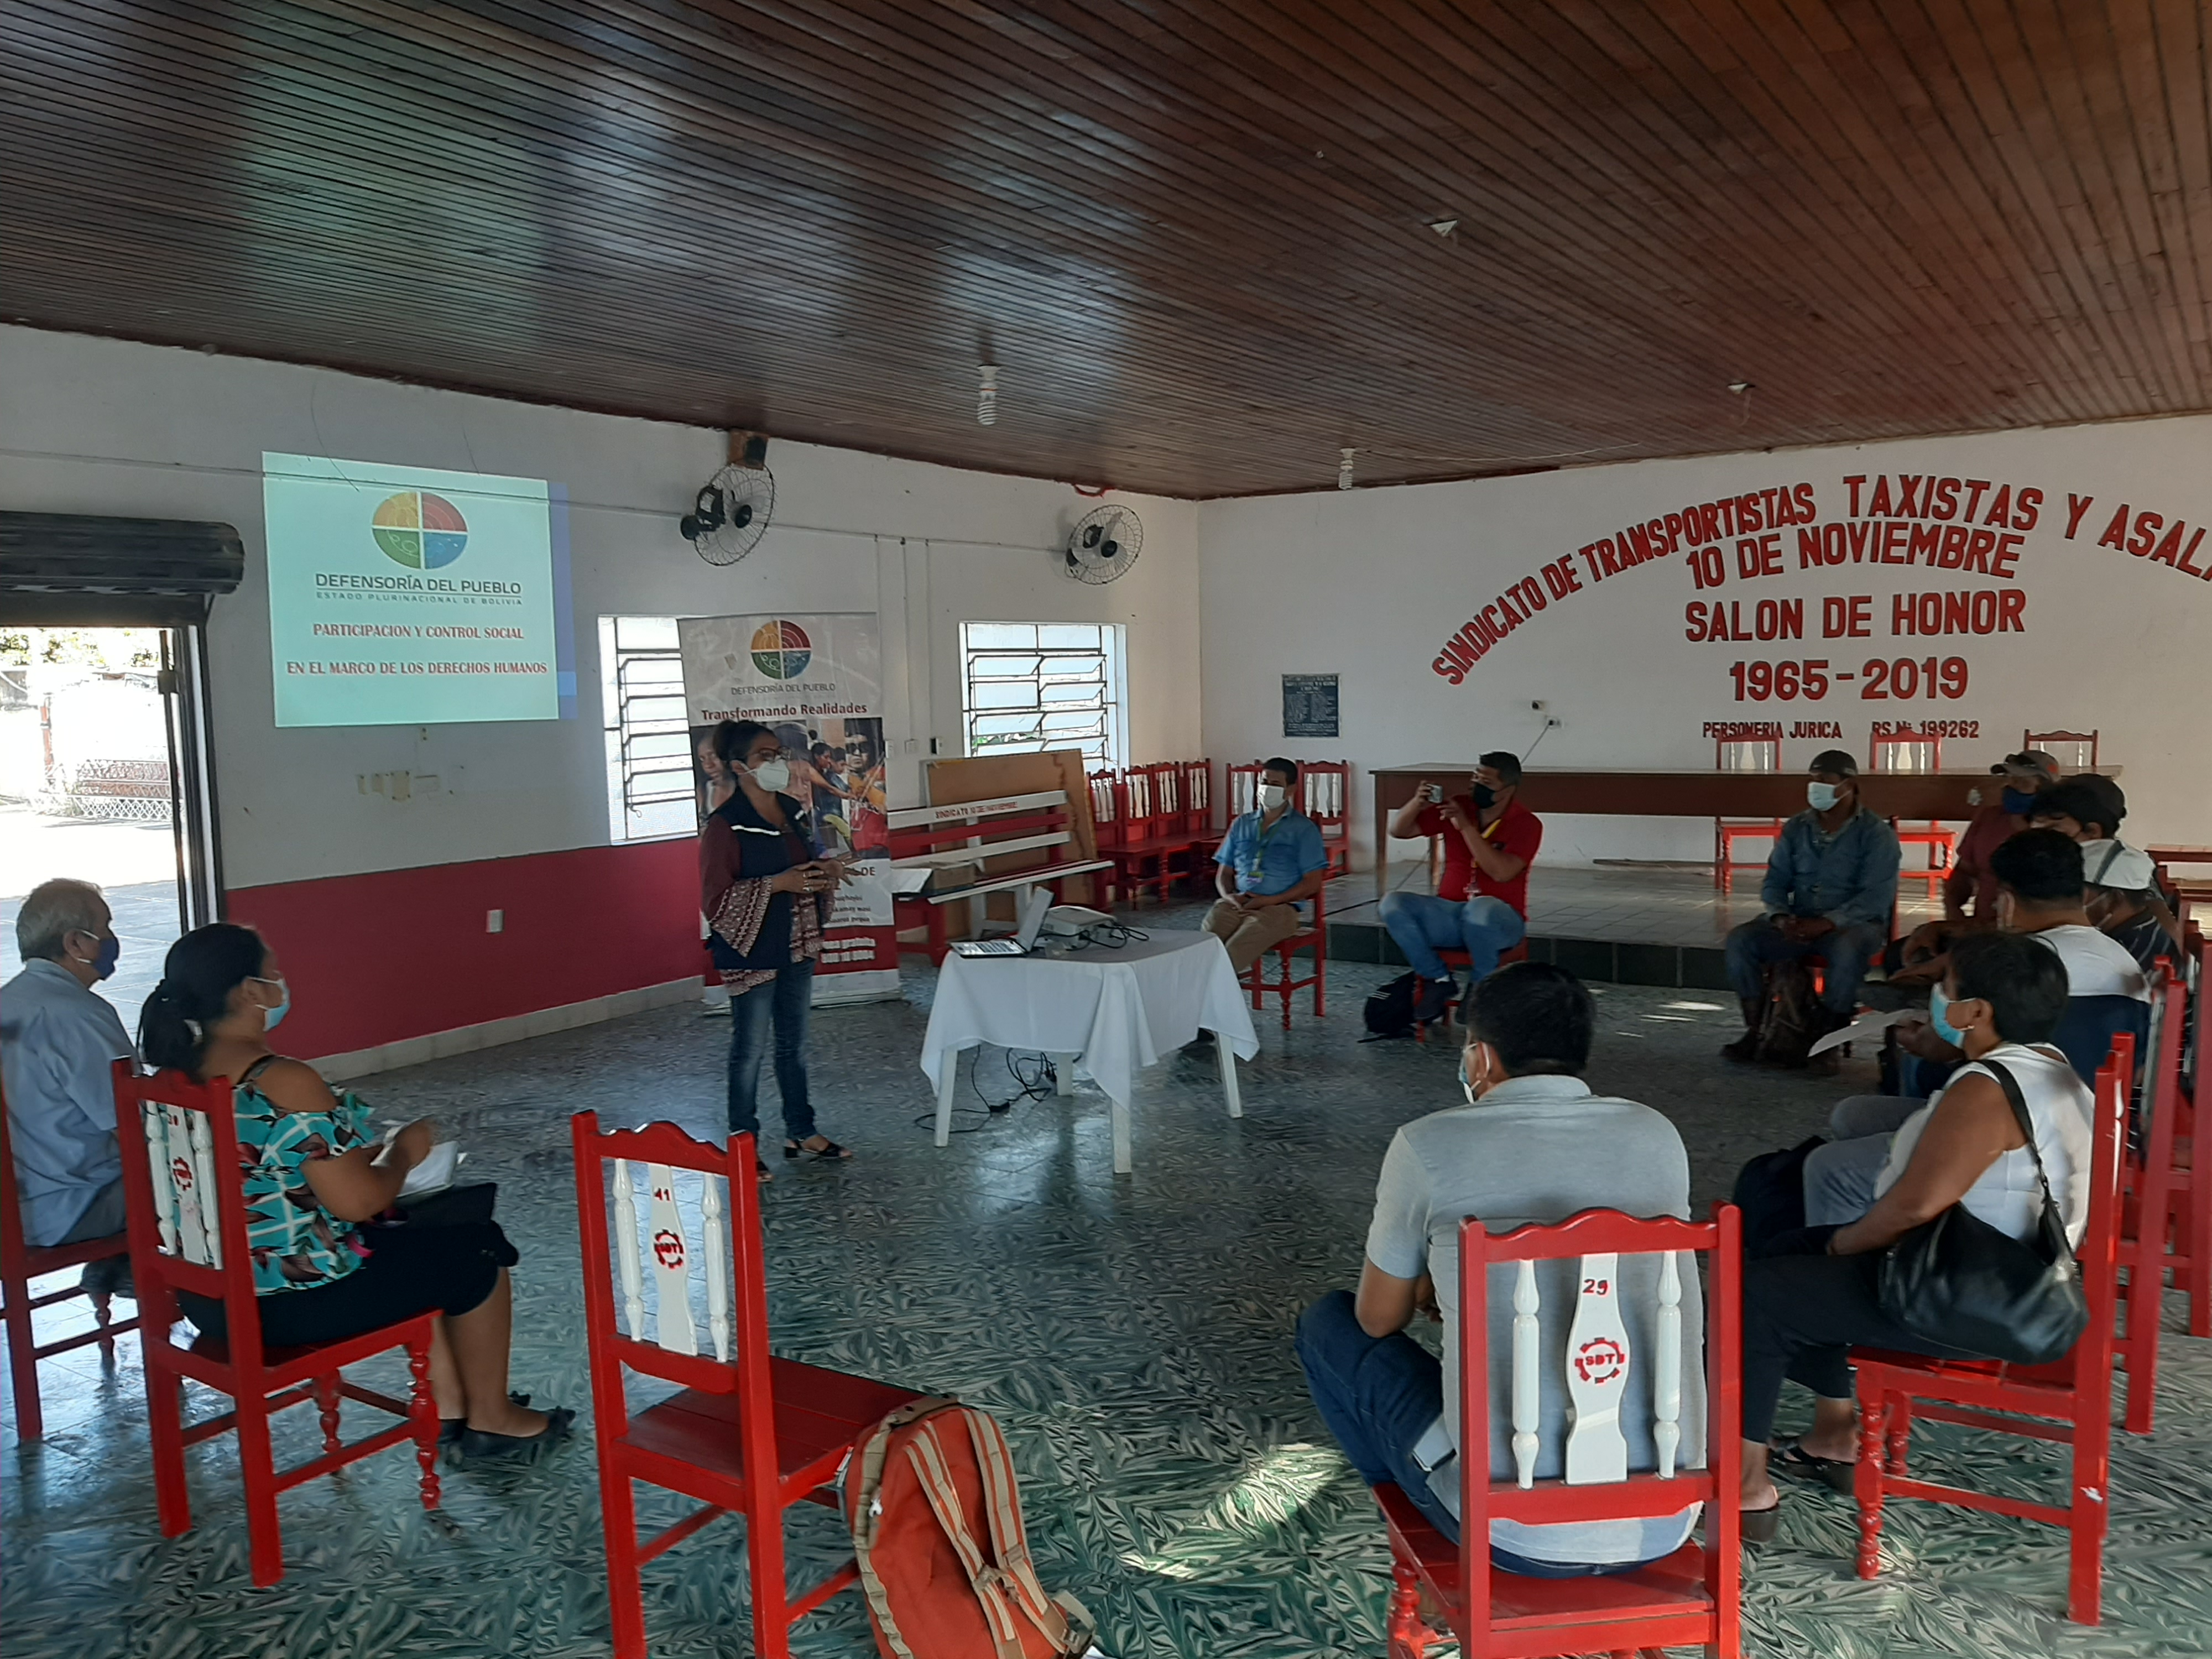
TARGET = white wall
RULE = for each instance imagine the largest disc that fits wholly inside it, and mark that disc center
(1372, 584)
(105, 426)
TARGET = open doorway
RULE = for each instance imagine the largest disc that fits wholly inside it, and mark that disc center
(90, 787)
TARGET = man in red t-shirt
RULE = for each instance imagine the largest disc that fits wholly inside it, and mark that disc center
(1481, 902)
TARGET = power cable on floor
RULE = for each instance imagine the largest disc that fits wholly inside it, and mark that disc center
(1037, 1084)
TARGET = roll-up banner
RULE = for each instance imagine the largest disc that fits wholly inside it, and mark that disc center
(817, 681)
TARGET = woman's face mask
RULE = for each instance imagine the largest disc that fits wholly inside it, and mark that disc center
(1274, 796)
(273, 1017)
(1823, 796)
(773, 775)
(1939, 1009)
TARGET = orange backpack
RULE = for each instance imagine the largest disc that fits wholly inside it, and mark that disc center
(918, 1483)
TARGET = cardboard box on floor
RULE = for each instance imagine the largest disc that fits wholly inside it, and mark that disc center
(984, 777)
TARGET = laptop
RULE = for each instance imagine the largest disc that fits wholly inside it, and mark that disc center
(1021, 944)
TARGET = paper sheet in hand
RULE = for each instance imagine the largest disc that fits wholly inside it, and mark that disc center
(1868, 1026)
(434, 1173)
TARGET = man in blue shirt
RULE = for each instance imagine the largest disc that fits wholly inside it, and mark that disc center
(1831, 889)
(1271, 861)
(57, 1039)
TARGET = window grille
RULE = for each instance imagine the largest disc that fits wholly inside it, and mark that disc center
(1026, 687)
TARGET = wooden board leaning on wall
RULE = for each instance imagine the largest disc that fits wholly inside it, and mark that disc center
(948, 782)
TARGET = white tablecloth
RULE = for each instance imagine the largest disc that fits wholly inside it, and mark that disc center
(1120, 1009)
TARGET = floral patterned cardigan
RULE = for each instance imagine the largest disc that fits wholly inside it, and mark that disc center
(755, 932)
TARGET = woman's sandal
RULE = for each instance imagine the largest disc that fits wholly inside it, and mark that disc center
(828, 1152)
(1788, 1455)
(475, 1444)
(761, 1171)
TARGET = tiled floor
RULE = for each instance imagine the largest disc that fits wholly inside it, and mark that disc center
(1131, 1333)
(1632, 904)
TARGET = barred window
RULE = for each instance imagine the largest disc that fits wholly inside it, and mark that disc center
(1027, 687)
(650, 789)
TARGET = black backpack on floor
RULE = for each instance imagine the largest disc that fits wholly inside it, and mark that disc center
(1389, 1011)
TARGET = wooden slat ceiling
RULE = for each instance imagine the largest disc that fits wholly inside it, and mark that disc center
(1195, 234)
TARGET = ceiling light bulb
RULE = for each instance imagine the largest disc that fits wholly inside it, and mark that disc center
(986, 395)
(1344, 468)
(1444, 227)
(1739, 386)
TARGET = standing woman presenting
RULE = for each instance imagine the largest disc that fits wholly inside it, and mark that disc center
(766, 889)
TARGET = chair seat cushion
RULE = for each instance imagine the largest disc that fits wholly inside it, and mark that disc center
(1673, 1586)
(818, 1415)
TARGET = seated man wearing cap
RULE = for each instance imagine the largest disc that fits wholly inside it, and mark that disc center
(2124, 899)
(1970, 891)
(1971, 883)
(1831, 886)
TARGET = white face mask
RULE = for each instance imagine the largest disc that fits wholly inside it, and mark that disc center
(1272, 797)
(773, 775)
(1824, 796)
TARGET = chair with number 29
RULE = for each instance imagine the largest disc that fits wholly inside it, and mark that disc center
(747, 1433)
(1689, 1599)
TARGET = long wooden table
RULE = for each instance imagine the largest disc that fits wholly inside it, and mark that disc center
(1933, 796)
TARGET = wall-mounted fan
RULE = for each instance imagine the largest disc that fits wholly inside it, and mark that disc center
(1104, 543)
(730, 513)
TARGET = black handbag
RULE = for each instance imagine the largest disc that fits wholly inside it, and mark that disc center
(1959, 1284)
(1770, 1191)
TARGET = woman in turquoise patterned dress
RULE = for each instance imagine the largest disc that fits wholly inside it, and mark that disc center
(312, 1183)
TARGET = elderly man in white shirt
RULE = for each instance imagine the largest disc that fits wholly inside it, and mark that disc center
(57, 1039)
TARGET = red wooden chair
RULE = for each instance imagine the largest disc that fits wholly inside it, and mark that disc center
(1906, 751)
(1324, 787)
(2074, 751)
(1107, 827)
(2153, 1183)
(20, 1263)
(1150, 843)
(1310, 937)
(2069, 1401)
(1461, 961)
(1197, 806)
(1748, 755)
(2192, 1129)
(747, 1434)
(187, 1209)
(1690, 1599)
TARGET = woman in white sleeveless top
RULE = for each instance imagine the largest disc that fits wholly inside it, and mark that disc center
(1802, 1314)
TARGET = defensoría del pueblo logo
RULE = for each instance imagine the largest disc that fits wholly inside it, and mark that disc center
(781, 650)
(419, 530)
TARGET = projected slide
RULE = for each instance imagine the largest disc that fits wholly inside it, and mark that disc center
(399, 596)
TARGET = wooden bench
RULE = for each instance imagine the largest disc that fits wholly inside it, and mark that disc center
(976, 835)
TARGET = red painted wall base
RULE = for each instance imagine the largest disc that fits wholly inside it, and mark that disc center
(401, 953)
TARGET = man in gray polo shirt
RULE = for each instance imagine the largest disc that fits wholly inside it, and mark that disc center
(1532, 1144)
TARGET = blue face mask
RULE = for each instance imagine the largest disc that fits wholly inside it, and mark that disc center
(111, 950)
(2018, 801)
(1938, 1006)
(273, 1017)
(1465, 1086)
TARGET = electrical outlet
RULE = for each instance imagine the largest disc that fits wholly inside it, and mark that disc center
(494, 921)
